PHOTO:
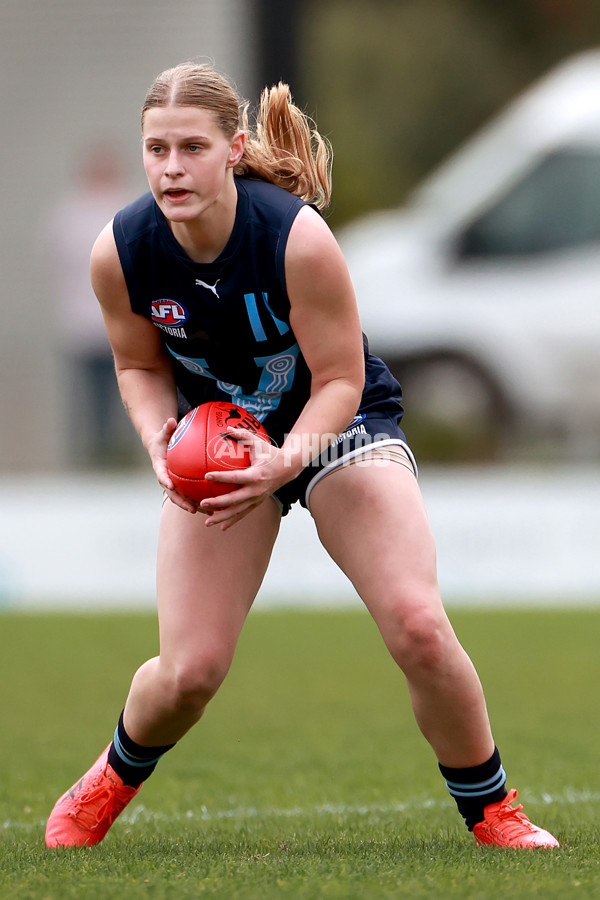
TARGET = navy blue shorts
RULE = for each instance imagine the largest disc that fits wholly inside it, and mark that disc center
(365, 431)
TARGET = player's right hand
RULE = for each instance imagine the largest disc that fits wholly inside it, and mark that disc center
(157, 450)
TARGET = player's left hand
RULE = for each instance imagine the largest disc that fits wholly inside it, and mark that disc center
(265, 474)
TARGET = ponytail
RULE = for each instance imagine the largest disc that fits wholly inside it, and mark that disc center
(287, 149)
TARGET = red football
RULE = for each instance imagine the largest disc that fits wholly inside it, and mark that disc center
(201, 444)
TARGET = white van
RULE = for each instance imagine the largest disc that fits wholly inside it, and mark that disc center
(483, 292)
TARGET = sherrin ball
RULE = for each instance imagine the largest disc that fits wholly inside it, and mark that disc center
(202, 444)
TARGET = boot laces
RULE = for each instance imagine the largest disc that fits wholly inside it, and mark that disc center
(102, 800)
(511, 815)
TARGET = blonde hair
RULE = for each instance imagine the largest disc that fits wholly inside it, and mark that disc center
(285, 147)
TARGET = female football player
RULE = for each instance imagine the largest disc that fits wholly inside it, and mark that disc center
(224, 282)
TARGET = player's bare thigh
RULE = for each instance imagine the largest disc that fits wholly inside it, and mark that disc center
(207, 579)
(372, 521)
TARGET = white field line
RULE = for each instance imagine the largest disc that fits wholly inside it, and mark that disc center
(139, 813)
(242, 813)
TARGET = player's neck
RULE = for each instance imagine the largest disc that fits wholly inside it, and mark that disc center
(205, 237)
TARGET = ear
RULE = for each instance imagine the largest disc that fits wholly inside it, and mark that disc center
(236, 151)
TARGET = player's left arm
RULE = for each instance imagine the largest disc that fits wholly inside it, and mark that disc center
(324, 317)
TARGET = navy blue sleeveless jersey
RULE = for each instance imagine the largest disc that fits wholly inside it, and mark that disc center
(226, 324)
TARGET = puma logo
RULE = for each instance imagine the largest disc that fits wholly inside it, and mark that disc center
(209, 287)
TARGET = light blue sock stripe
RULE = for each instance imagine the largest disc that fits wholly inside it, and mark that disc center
(480, 788)
(130, 760)
(478, 784)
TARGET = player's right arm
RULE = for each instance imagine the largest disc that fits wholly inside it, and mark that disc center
(144, 372)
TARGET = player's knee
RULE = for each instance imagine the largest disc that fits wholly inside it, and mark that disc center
(418, 638)
(194, 682)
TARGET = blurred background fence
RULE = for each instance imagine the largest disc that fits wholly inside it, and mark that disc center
(398, 87)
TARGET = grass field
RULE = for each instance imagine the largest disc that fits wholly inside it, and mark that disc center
(307, 778)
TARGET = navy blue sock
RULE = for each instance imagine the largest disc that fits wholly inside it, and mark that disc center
(132, 762)
(475, 787)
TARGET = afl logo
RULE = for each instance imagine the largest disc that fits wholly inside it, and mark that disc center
(182, 427)
(168, 312)
(357, 420)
